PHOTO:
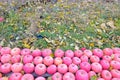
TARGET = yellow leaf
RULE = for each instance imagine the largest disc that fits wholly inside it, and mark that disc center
(26, 45)
(52, 55)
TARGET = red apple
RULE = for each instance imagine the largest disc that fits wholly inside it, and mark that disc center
(27, 59)
(28, 68)
(116, 50)
(117, 57)
(88, 53)
(78, 53)
(105, 64)
(84, 58)
(51, 69)
(57, 76)
(94, 58)
(46, 52)
(69, 53)
(108, 51)
(106, 75)
(73, 68)
(5, 68)
(115, 78)
(62, 68)
(115, 73)
(36, 52)
(85, 66)
(5, 58)
(58, 61)
(59, 53)
(67, 60)
(48, 60)
(16, 58)
(106, 57)
(5, 50)
(40, 69)
(40, 78)
(25, 52)
(15, 51)
(91, 74)
(98, 52)
(76, 60)
(38, 60)
(15, 76)
(27, 77)
(115, 64)
(17, 67)
(68, 76)
(96, 67)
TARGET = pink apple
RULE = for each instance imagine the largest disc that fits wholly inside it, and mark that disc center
(106, 75)
(59, 53)
(0, 47)
(117, 57)
(36, 52)
(116, 50)
(108, 51)
(46, 52)
(67, 60)
(69, 53)
(78, 53)
(73, 68)
(83, 49)
(68, 76)
(62, 68)
(81, 75)
(5, 58)
(15, 76)
(27, 77)
(100, 79)
(40, 69)
(48, 60)
(76, 60)
(40, 78)
(5, 68)
(91, 74)
(88, 53)
(5, 50)
(108, 58)
(51, 69)
(16, 58)
(57, 76)
(98, 52)
(28, 68)
(94, 58)
(84, 58)
(38, 60)
(115, 64)
(58, 61)
(17, 67)
(115, 73)
(85, 66)
(15, 51)
(105, 64)
(25, 52)
(115, 78)
(27, 59)
(96, 67)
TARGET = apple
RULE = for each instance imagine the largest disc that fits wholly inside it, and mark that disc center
(40, 78)
(15, 76)
(38, 60)
(36, 52)
(81, 75)
(15, 51)
(115, 64)
(5, 50)
(5, 58)
(96, 67)
(17, 67)
(115, 73)
(91, 74)
(88, 53)
(27, 59)
(84, 58)
(5, 68)
(25, 52)
(27, 77)
(108, 51)
(76, 60)
(106, 57)
(105, 64)
(57, 76)
(106, 75)
(69, 53)
(83, 49)
(51, 69)
(40, 69)
(100, 79)
(85, 66)
(67, 60)
(46, 52)
(48, 60)
(116, 50)
(117, 57)
(115, 78)
(58, 61)
(94, 58)
(78, 53)
(16, 58)
(68, 76)
(28, 68)
(59, 53)
(73, 68)
(62, 68)
(98, 52)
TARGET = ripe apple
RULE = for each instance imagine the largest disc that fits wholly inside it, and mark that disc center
(15, 51)
(76, 60)
(94, 58)
(117, 57)
(40, 69)
(106, 57)
(85, 66)
(115, 78)
(84, 58)
(27, 77)
(62, 68)
(5, 50)
(116, 50)
(105, 64)
(27, 59)
(17, 67)
(51, 69)
(88, 53)
(91, 73)
(115, 73)
(40, 78)
(100, 79)
(59, 53)
(57, 76)
(58, 61)
(115, 64)
(5, 68)
(48, 60)
(36, 52)
(16, 58)
(46, 52)
(106, 75)
(108, 51)
(38, 60)
(67, 60)
(73, 68)
(68, 76)
(28, 68)
(69, 53)
(78, 53)
(15, 76)
(5, 58)
(25, 52)
(96, 67)
(98, 52)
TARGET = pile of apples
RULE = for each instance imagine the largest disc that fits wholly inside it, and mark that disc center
(26, 64)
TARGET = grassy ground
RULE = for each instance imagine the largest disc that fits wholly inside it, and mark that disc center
(68, 25)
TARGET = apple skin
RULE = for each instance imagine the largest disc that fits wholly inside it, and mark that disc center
(27, 77)
(36, 52)
(100, 79)
(58, 61)
(17, 67)
(40, 69)
(88, 53)
(115, 64)
(78, 53)
(76, 60)
(25, 52)
(115, 73)
(106, 75)
(105, 64)
(108, 51)
(117, 57)
(69, 53)
(57, 76)
(5, 58)
(28, 68)
(115, 78)
(116, 50)
(51, 69)
(15, 58)
(59, 53)
(85, 66)
(106, 57)
(5, 50)
(84, 58)
(98, 52)
(81, 75)
(73, 68)
(67, 60)
(5, 68)
(94, 58)
(38, 60)
(46, 52)
(27, 59)
(48, 60)
(91, 73)
(15, 76)
(40, 78)
(96, 67)
(15, 51)
(62, 68)
(68, 76)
